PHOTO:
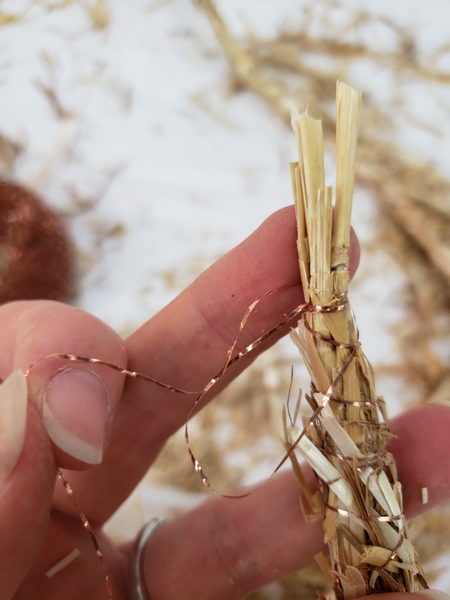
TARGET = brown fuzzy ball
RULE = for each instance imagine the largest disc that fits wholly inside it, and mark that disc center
(35, 254)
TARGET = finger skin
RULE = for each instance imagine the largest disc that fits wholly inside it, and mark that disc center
(186, 344)
(30, 331)
(228, 548)
(82, 579)
(397, 596)
(25, 504)
(235, 546)
(261, 521)
(422, 447)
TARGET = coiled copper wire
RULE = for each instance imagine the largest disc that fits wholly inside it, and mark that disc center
(35, 254)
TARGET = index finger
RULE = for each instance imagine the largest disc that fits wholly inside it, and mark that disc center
(185, 345)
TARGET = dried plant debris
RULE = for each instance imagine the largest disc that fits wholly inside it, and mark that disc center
(345, 439)
(50, 93)
(287, 70)
(7, 18)
(57, 4)
(10, 150)
(398, 180)
(426, 535)
(180, 276)
(98, 13)
(412, 195)
(426, 303)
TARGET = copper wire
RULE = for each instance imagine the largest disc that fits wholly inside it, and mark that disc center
(35, 254)
(348, 513)
(362, 461)
(97, 361)
(89, 529)
(300, 311)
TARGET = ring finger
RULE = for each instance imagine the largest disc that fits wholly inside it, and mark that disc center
(226, 548)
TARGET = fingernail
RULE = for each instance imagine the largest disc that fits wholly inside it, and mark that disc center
(75, 411)
(433, 594)
(13, 420)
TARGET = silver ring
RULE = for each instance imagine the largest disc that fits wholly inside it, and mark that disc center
(139, 589)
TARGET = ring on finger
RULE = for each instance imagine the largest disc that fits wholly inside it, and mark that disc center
(139, 589)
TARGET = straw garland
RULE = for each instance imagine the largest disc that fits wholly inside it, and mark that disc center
(298, 66)
(344, 440)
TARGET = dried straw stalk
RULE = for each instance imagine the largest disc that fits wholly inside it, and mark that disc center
(412, 193)
(345, 439)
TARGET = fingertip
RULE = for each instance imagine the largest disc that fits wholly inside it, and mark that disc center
(281, 227)
(75, 398)
(76, 405)
(268, 257)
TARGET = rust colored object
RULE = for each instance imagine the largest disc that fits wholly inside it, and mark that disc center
(35, 254)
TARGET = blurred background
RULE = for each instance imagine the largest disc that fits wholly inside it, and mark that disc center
(158, 130)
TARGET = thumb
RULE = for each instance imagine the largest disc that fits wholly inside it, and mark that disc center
(75, 400)
(46, 420)
(27, 476)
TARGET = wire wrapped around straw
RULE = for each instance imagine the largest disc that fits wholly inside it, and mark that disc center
(344, 440)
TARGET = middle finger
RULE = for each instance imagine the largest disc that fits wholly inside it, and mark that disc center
(185, 345)
(227, 548)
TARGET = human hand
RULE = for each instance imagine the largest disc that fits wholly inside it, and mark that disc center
(221, 550)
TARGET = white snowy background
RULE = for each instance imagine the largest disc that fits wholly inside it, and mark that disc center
(158, 169)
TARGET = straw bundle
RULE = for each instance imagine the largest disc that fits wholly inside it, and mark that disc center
(412, 195)
(344, 440)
